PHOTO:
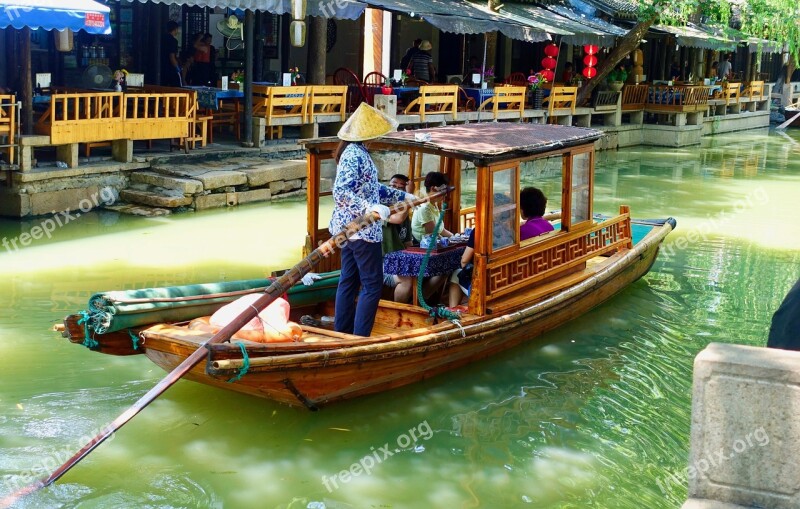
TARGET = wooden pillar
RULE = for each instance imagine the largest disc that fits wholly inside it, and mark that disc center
(317, 45)
(26, 77)
(249, 40)
(258, 62)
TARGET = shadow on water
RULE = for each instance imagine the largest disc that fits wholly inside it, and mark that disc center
(593, 414)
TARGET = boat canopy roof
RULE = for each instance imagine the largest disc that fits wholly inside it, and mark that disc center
(484, 143)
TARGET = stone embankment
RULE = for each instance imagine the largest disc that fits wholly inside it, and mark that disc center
(213, 183)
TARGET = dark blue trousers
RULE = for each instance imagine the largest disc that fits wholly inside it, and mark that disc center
(362, 267)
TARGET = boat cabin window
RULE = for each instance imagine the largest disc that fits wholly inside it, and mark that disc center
(505, 198)
(577, 189)
(580, 204)
(327, 170)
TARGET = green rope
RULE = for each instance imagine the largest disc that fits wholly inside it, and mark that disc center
(134, 338)
(88, 341)
(438, 311)
(245, 363)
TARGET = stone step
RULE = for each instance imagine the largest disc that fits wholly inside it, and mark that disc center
(152, 199)
(184, 185)
(138, 210)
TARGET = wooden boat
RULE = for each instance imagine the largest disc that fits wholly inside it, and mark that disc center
(792, 112)
(520, 289)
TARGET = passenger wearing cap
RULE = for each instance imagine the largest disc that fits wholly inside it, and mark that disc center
(356, 191)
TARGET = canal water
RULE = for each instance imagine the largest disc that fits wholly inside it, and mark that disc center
(594, 414)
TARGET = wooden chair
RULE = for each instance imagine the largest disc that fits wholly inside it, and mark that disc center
(329, 100)
(371, 83)
(754, 91)
(8, 123)
(516, 79)
(561, 101)
(280, 106)
(355, 89)
(731, 92)
(510, 97)
(465, 102)
(415, 82)
(434, 99)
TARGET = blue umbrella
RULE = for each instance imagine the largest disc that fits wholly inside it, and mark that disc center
(56, 15)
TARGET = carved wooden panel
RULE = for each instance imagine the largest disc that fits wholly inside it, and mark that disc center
(604, 237)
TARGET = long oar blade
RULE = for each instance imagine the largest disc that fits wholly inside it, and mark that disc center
(275, 290)
(789, 122)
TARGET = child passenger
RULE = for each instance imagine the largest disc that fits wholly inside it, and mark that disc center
(532, 202)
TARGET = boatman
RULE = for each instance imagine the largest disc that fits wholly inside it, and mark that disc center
(784, 332)
(356, 191)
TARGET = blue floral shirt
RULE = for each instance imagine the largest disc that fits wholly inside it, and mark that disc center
(356, 189)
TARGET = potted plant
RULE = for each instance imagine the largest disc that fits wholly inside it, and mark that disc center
(535, 94)
(616, 78)
(386, 89)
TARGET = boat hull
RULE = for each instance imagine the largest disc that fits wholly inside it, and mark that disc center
(320, 377)
(791, 112)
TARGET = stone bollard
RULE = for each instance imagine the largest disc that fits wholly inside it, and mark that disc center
(745, 428)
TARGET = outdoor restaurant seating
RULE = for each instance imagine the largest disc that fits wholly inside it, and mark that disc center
(8, 124)
(434, 99)
(279, 106)
(505, 98)
(298, 105)
(517, 79)
(355, 89)
(561, 102)
(372, 82)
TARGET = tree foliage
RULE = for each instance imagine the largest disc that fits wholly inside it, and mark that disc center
(775, 20)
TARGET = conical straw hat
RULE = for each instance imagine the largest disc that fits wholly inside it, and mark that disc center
(367, 123)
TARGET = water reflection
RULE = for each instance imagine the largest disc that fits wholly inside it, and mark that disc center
(595, 414)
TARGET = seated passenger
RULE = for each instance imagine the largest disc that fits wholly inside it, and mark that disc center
(532, 203)
(461, 279)
(397, 236)
(426, 216)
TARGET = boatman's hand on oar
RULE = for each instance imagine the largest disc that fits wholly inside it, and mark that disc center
(309, 278)
(382, 211)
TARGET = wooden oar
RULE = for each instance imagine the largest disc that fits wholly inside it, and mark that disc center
(275, 290)
(789, 122)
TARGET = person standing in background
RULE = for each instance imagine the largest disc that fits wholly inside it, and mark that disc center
(410, 52)
(421, 63)
(170, 67)
(725, 68)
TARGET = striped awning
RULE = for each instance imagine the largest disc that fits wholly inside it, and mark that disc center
(462, 17)
(56, 15)
(695, 36)
(338, 9)
(575, 30)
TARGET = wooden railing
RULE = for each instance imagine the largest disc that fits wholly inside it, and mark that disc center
(434, 99)
(157, 116)
(677, 99)
(83, 117)
(634, 97)
(554, 254)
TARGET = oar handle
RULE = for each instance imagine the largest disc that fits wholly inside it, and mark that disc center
(275, 290)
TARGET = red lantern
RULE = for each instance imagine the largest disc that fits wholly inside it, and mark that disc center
(549, 63)
(548, 75)
(590, 49)
(590, 60)
(551, 50)
(589, 72)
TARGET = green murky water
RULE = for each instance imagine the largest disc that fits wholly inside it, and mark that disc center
(595, 414)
